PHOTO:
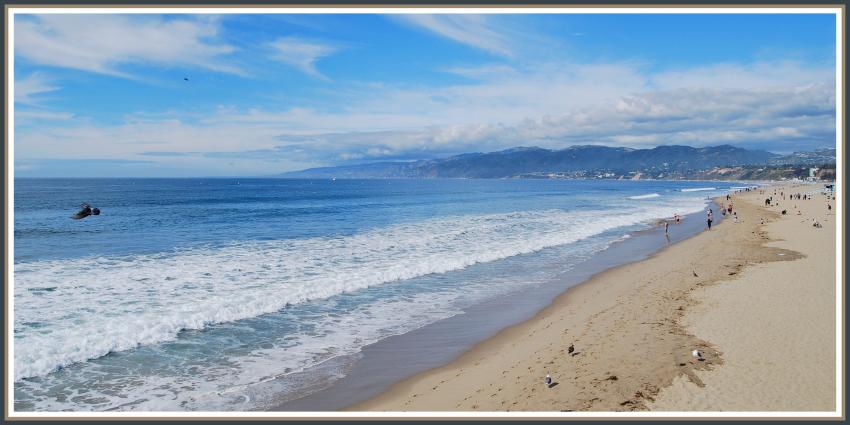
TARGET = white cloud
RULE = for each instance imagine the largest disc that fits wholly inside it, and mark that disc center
(553, 106)
(746, 76)
(42, 115)
(106, 43)
(301, 54)
(28, 91)
(484, 71)
(477, 31)
(30, 86)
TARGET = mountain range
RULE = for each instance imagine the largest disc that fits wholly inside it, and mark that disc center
(576, 162)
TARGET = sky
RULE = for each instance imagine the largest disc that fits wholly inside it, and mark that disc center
(171, 95)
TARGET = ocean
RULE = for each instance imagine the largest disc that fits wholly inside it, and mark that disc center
(229, 294)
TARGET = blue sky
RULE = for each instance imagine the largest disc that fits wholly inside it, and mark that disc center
(105, 95)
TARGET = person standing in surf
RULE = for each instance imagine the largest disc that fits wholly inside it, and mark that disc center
(710, 218)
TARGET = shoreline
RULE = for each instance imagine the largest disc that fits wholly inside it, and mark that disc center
(383, 364)
(627, 327)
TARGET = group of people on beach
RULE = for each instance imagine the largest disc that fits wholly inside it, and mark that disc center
(728, 209)
(769, 201)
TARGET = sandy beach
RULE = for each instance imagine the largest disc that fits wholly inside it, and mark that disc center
(757, 300)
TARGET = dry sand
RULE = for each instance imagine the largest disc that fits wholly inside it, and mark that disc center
(757, 300)
(775, 325)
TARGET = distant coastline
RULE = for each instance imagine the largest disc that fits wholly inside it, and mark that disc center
(722, 162)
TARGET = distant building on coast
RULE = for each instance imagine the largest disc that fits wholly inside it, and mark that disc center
(813, 172)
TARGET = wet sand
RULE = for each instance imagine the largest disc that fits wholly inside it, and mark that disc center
(738, 293)
(396, 358)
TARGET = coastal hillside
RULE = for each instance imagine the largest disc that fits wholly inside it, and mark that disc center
(590, 161)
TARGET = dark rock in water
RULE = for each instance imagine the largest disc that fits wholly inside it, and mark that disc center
(85, 211)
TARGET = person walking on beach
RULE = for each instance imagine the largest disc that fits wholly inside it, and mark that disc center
(666, 227)
(709, 219)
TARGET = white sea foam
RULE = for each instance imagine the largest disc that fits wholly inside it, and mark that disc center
(647, 196)
(697, 189)
(248, 382)
(69, 311)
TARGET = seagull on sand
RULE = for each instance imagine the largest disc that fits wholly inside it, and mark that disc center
(697, 355)
(571, 349)
(547, 380)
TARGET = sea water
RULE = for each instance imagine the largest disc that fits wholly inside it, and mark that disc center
(195, 294)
